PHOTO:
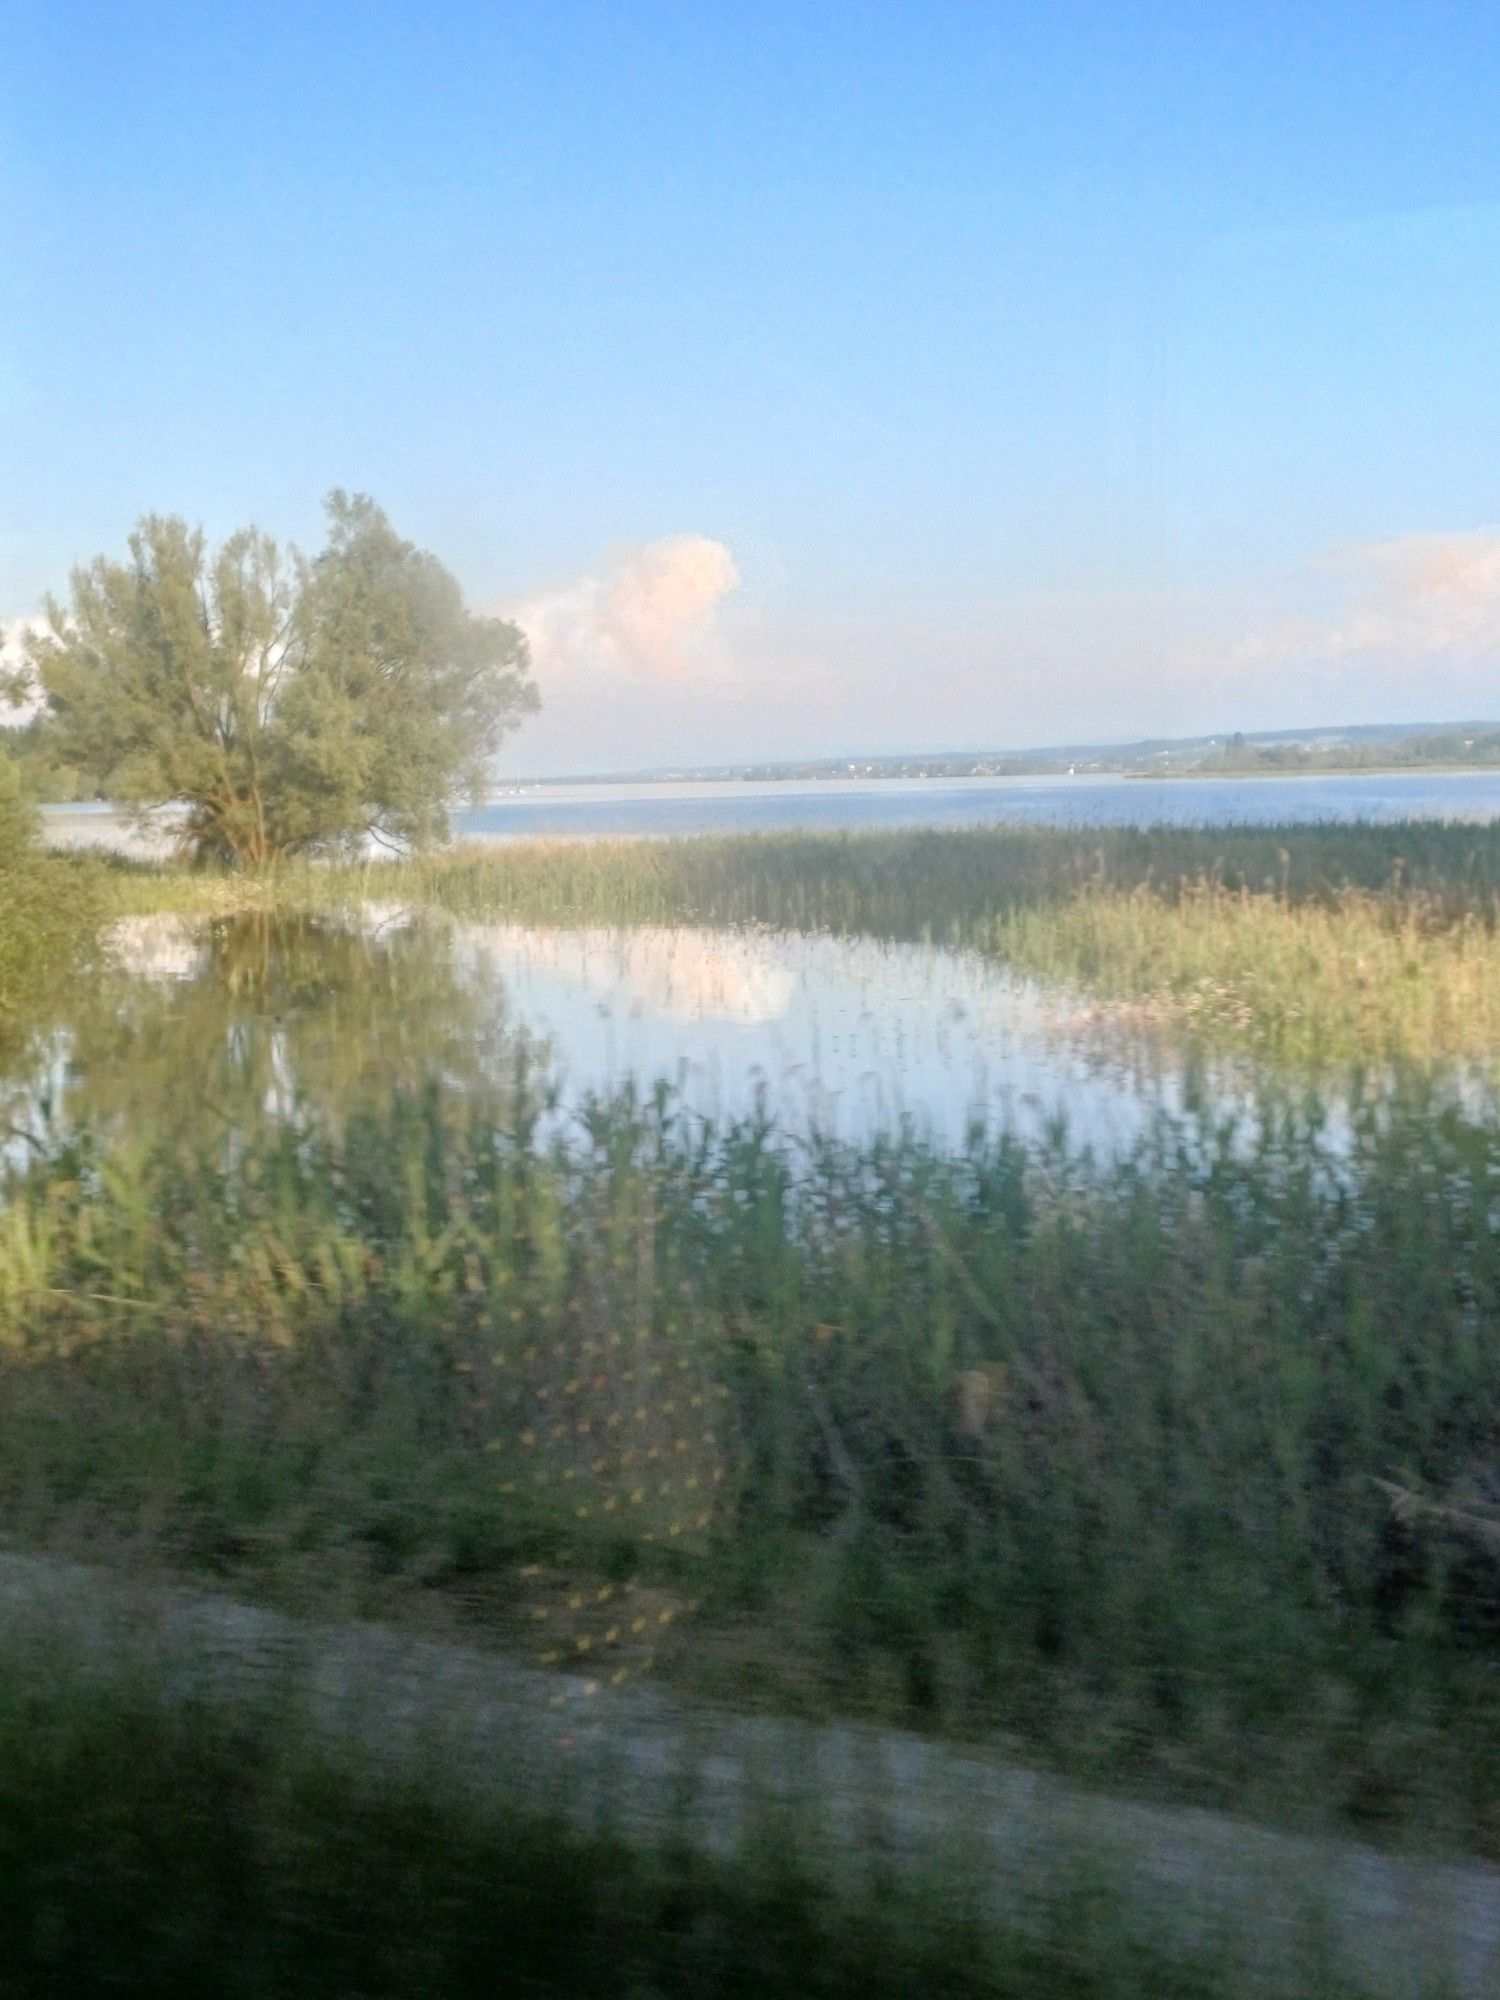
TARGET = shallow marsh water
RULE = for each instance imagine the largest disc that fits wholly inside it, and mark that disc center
(228, 1022)
(416, 1357)
(847, 1036)
(246, 1017)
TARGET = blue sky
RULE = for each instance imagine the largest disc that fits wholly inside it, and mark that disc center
(806, 379)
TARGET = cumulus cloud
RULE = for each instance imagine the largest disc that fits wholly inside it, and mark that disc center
(1408, 600)
(651, 616)
(1425, 595)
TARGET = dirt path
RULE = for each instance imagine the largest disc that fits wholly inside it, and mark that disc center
(637, 1759)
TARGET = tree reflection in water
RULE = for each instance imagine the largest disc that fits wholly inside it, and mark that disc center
(262, 1017)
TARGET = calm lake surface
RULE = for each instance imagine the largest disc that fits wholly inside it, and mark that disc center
(900, 802)
(228, 1022)
(851, 1036)
(850, 804)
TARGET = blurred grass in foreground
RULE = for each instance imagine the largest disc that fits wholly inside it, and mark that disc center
(1180, 1471)
(167, 1844)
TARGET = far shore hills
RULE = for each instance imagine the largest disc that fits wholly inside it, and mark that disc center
(1374, 748)
(1369, 749)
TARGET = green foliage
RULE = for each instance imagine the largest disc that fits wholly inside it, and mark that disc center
(1182, 1470)
(286, 705)
(17, 821)
(49, 911)
(167, 1846)
(45, 778)
(1314, 947)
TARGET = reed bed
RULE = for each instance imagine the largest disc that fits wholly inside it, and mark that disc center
(1182, 1472)
(944, 884)
(1314, 947)
(49, 913)
(1310, 946)
(1305, 986)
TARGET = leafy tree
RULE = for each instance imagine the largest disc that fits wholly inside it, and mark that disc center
(31, 747)
(287, 704)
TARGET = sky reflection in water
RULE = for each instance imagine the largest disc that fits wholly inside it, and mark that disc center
(241, 1018)
(848, 1035)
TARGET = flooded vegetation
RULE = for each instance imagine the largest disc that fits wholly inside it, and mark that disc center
(1313, 949)
(803, 1272)
(934, 1435)
(849, 1036)
(49, 917)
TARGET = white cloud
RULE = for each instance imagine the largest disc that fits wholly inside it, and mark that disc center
(1408, 601)
(652, 616)
(1427, 595)
(677, 974)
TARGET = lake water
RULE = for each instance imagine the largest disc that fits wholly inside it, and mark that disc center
(846, 1035)
(850, 804)
(236, 1020)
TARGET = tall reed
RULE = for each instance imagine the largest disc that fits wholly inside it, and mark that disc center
(1311, 945)
(1186, 1467)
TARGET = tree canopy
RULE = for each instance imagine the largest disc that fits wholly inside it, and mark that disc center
(287, 704)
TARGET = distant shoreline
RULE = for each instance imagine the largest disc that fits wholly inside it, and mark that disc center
(599, 809)
(1367, 750)
(1237, 777)
(1206, 774)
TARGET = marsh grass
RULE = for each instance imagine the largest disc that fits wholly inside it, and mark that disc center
(1182, 1471)
(1309, 946)
(50, 912)
(1304, 986)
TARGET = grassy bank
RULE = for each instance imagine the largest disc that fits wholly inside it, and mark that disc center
(185, 1847)
(1181, 1472)
(1306, 945)
(50, 910)
(1309, 946)
(946, 884)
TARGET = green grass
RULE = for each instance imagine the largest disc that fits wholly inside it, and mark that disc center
(936, 883)
(944, 884)
(50, 912)
(186, 1845)
(1180, 1472)
(1307, 946)
(1311, 947)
